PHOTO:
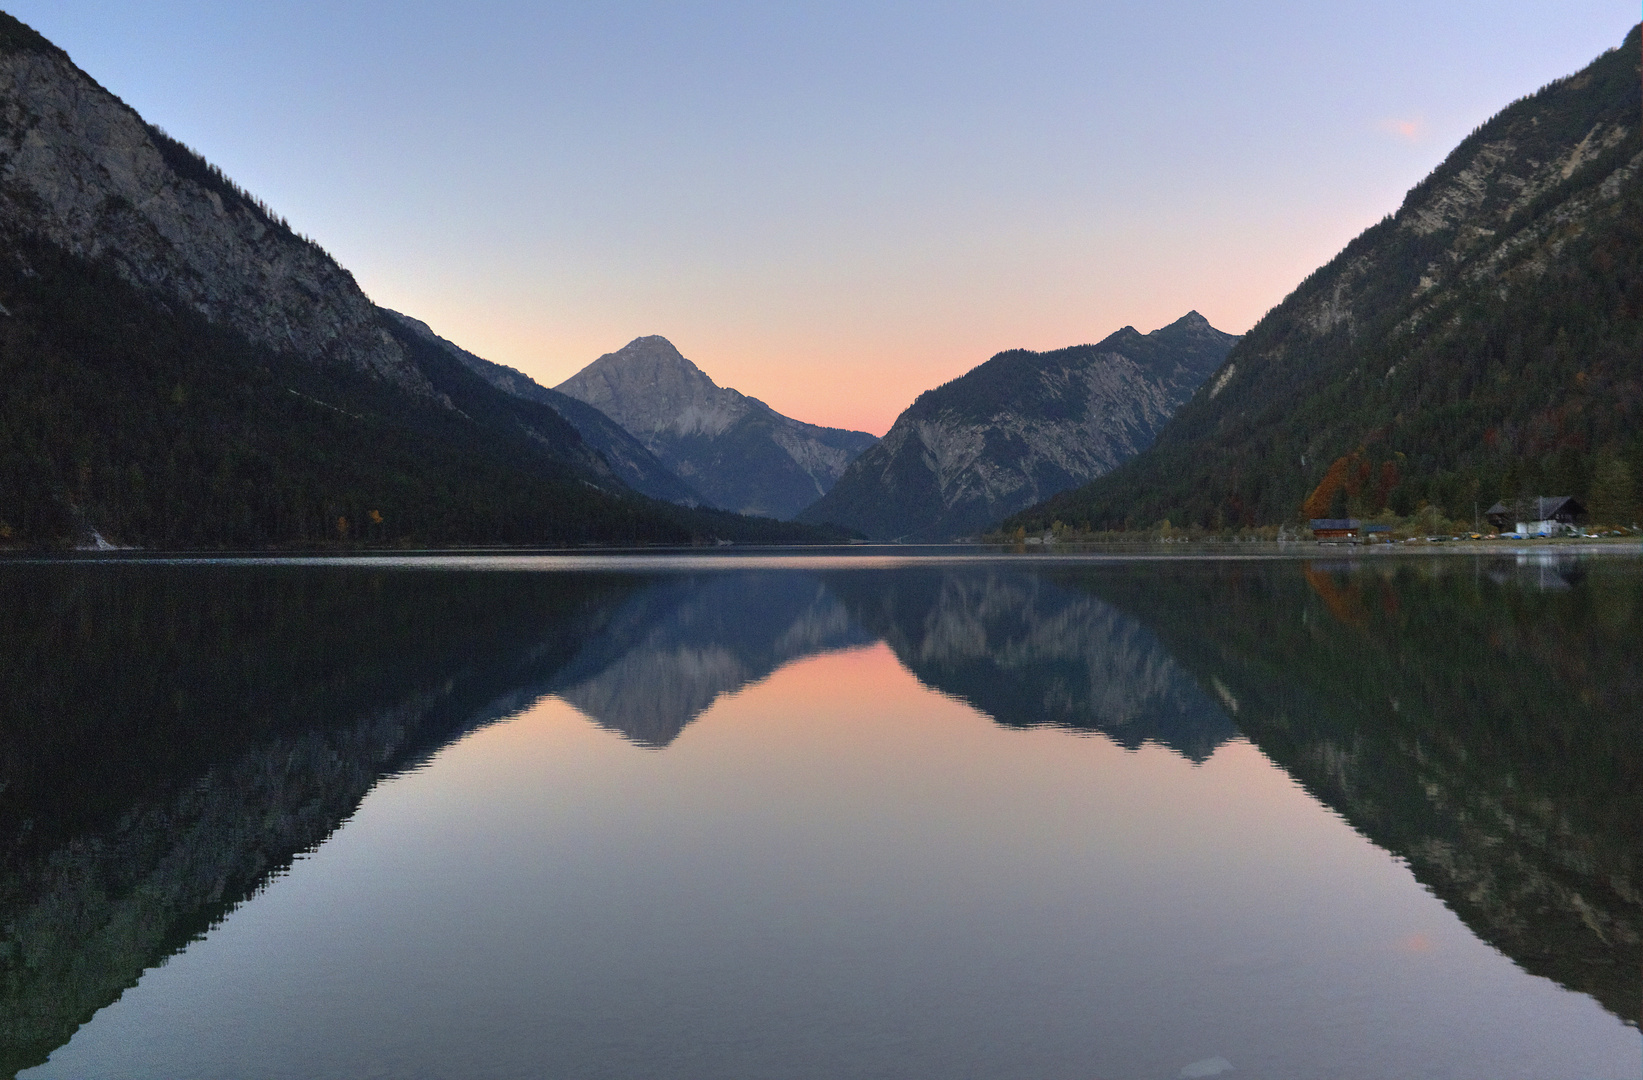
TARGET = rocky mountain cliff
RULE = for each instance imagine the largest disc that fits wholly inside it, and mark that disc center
(627, 456)
(82, 171)
(735, 450)
(1485, 341)
(1018, 429)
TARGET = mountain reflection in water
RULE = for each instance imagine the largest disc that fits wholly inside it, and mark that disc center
(671, 649)
(172, 736)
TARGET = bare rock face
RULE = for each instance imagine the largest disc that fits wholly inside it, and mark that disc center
(80, 169)
(647, 386)
(738, 452)
(1018, 429)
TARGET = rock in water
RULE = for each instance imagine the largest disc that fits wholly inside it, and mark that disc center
(738, 452)
(1018, 429)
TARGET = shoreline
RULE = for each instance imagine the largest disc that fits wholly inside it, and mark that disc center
(1058, 551)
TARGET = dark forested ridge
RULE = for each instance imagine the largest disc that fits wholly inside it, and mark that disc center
(1485, 341)
(155, 427)
(178, 369)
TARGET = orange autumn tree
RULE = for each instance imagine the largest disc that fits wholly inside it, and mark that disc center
(1342, 470)
(1366, 488)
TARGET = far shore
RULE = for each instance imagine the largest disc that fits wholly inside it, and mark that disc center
(1172, 547)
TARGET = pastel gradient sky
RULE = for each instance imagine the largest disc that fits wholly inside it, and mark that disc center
(830, 206)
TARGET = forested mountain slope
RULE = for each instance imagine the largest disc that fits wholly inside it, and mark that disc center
(180, 369)
(1485, 341)
(1018, 428)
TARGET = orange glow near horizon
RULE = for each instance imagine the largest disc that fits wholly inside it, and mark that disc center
(829, 208)
(854, 354)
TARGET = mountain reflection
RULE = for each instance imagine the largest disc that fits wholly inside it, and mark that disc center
(674, 647)
(1479, 719)
(1029, 652)
(172, 736)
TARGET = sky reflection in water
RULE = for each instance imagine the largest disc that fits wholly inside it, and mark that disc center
(978, 820)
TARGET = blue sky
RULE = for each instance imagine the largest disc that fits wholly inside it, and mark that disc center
(829, 206)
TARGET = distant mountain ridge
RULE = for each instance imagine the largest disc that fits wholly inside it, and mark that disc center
(738, 452)
(627, 456)
(1019, 428)
(1483, 342)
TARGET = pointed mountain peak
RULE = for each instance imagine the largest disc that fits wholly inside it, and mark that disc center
(1190, 326)
(648, 385)
(650, 345)
(1190, 321)
(652, 358)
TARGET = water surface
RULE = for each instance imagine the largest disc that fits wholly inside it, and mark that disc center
(822, 818)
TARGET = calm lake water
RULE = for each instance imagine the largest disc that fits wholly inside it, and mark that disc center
(823, 818)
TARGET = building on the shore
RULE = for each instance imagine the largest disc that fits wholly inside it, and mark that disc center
(1335, 528)
(1542, 515)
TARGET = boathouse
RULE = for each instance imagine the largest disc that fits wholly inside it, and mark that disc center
(1335, 528)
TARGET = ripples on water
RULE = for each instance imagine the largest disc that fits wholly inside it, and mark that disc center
(822, 817)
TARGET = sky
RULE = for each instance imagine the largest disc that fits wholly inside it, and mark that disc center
(829, 206)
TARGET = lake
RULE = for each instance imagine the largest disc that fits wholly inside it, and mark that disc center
(822, 817)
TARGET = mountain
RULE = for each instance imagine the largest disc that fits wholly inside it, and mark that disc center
(1485, 341)
(1018, 429)
(179, 369)
(737, 451)
(84, 173)
(626, 455)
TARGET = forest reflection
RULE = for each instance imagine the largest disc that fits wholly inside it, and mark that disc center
(171, 736)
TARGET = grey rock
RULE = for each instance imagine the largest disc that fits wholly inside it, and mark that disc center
(738, 452)
(80, 169)
(1018, 429)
